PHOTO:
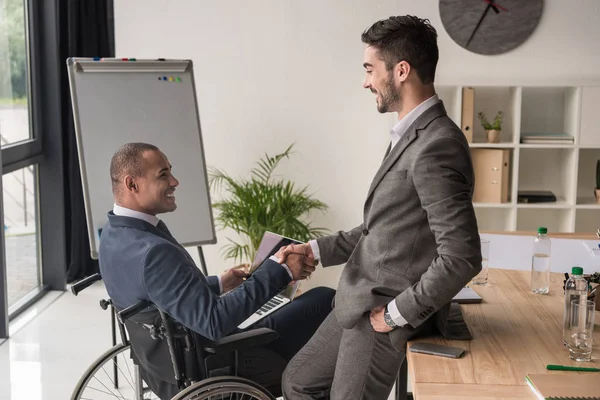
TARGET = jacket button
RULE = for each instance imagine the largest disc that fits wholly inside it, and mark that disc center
(365, 231)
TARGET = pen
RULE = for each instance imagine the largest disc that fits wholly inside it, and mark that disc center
(567, 368)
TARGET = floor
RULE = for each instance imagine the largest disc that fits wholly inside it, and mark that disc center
(51, 345)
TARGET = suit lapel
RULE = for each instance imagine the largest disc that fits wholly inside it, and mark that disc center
(409, 136)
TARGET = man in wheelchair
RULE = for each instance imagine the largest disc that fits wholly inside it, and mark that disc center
(140, 260)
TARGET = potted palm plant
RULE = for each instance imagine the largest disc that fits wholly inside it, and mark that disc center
(262, 203)
(492, 130)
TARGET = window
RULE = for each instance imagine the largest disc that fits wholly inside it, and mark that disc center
(14, 113)
(21, 233)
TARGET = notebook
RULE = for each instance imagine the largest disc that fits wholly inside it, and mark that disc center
(565, 386)
(269, 245)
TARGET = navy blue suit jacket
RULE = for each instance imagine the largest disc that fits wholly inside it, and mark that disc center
(138, 261)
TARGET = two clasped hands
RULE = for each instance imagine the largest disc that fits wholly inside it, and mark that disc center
(301, 261)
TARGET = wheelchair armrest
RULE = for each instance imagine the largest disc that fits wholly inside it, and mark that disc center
(242, 340)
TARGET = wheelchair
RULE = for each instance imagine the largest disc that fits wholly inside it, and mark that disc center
(115, 375)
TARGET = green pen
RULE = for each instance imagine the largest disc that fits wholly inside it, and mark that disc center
(567, 368)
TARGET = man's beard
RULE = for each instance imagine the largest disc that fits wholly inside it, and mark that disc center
(389, 96)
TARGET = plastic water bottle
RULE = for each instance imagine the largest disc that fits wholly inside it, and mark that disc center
(576, 288)
(540, 263)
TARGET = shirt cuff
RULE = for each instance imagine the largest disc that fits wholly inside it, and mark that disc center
(220, 284)
(395, 314)
(315, 249)
(273, 258)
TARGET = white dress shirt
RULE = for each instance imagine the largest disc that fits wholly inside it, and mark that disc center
(396, 133)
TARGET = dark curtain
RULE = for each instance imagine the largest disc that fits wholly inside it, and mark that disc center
(86, 30)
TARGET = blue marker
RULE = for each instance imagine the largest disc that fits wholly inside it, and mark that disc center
(96, 58)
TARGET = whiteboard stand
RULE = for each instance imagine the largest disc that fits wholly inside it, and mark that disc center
(202, 261)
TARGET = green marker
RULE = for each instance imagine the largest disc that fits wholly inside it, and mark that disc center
(567, 368)
(178, 79)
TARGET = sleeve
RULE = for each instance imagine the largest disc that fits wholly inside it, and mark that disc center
(176, 286)
(395, 314)
(336, 249)
(443, 177)
(284, 265)
(215, 284)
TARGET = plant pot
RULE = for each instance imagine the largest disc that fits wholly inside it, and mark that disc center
(493, 135)
(597, 195)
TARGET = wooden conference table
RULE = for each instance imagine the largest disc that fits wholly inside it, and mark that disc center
(515, 332)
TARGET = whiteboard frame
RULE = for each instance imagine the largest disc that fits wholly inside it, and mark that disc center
(112, 65)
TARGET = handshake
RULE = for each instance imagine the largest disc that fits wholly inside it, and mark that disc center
(299, 258)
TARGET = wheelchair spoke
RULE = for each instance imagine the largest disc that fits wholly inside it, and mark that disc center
(106, 387)
(108, 376)
(121, 371)
(127, 365)
(102, 391)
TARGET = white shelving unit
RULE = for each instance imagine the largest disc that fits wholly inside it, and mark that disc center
(569, 171)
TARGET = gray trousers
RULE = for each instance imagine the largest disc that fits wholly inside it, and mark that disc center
(346, 364)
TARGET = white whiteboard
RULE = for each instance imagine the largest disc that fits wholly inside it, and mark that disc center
(153, 101)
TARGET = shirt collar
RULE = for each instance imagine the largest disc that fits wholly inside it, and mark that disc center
(127, 212)
(400, 128)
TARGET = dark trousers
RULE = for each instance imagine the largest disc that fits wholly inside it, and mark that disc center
(295, 323)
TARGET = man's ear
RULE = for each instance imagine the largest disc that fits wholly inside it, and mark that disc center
(130, 183)
(402, 71)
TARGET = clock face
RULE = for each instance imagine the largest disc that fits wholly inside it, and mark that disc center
(490, 26)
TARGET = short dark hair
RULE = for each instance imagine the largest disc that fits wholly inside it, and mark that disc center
(407, 38)
(128, 160)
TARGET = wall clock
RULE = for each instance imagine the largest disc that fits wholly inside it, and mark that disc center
(490, 26)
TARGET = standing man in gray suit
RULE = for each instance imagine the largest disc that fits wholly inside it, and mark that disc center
(418, 243)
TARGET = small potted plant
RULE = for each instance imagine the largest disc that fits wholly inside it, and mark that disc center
(492, 131)
(597, 189)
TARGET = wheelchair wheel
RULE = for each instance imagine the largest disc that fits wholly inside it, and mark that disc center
(224, 387)
(112, 376)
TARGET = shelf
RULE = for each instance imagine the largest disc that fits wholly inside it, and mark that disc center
(546, 146)
(587, 202)
(567, 170)
(586, 174)
(550, 169)
(550, 110)
(489, 218)
(490, 100)
(485, 145)
(556, 220)
(589, 130)
(559, 203)
(587, 220)
(492, 205)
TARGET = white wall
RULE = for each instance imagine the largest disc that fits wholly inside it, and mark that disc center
(273, 72)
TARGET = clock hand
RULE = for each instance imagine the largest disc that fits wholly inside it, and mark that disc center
(496, 6)
(478, 23)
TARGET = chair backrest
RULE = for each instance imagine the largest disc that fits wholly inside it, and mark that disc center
(162, 346)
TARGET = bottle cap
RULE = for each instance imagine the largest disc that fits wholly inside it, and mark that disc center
(542, 230)
(577, 271)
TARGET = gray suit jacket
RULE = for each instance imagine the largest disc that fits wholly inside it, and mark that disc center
(419, 241)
